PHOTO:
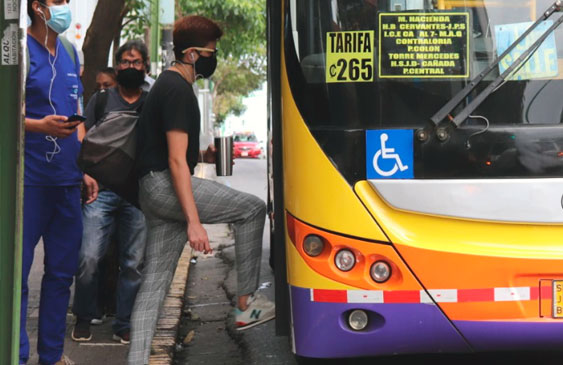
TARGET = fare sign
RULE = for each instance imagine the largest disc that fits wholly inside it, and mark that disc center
(423, 45)
(349, 56)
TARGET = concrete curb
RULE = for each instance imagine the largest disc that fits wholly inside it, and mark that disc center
(164, 341)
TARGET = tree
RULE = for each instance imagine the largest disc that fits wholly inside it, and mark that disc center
(110, 19)
(105, 24)
(242, 50)
(234, 80)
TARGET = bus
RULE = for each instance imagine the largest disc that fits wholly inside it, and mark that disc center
(416, 175)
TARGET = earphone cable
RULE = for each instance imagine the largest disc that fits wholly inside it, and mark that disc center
(49, 155)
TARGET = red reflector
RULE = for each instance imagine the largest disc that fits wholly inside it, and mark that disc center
(560, 154)
(330, 296)
(475, 295)
(402, 296)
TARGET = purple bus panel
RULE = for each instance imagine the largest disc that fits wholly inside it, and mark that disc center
(321, 329)
(500, 336)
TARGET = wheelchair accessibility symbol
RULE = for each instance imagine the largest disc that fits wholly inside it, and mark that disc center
(389, 154)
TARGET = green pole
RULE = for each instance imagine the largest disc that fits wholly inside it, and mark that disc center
(11, 176)
(155, 34)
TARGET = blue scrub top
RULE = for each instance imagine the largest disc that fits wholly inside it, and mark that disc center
(62, 170)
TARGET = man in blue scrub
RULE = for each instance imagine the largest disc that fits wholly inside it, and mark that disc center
(52, 208)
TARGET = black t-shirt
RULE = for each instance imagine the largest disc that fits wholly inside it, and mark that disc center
(115, 102)
(171, 104)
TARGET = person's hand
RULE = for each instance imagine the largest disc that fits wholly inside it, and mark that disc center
(90, 189)
(209, 155)
(198, 238)
(57, 126)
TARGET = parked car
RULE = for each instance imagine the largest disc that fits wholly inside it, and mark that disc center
(246, 145)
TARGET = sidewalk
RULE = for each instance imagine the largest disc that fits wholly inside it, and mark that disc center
(102, 349)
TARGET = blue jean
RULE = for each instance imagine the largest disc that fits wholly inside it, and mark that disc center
(107, 215)
(54, 213)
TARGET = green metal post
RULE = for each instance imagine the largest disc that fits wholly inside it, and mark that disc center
(11, 176)
(155, 34)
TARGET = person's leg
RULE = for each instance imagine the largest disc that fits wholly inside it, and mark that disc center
(165, 242)
(131, 237)
(98, 221)
(217, 203)
(166, 237)
(62, 240)
(35, 218)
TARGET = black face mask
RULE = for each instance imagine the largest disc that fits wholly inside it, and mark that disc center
(205, 66)
(130, 78)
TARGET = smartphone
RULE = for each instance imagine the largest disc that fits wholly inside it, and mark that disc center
(76, 118)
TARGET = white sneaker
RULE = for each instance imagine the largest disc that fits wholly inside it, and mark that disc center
(259, 310)
(98, 321)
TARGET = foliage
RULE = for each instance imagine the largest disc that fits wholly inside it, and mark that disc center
(233, 80)
(136, 18)
(242, 50)
(243, 23)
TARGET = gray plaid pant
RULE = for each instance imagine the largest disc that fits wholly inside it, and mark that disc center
(166, 237)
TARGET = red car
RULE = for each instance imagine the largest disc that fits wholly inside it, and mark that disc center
(246, 145)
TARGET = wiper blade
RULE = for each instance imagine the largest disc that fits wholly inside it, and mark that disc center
(457, 98)
(492, 86)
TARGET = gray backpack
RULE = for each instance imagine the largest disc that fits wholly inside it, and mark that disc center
(108, 150)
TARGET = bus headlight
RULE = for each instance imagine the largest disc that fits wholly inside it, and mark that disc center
(313, 245)
(358, 320)
(345, 260)
(380, 271)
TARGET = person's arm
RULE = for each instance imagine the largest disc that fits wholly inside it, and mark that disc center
(208, 155)
(181, 178)
(90, 185)
(91, 189)
(53, 125)
(81, 130)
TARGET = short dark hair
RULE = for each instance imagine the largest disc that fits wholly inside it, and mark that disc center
(108, 71)
(30, 8)
(136, 44)
(194, 31)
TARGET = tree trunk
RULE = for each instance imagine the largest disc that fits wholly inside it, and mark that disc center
(116, 42)
(102, 31)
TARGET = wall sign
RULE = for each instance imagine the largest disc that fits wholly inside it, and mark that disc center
(10, 45)
(11, 9)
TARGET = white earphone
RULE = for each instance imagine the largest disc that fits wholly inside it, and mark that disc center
(49, 155)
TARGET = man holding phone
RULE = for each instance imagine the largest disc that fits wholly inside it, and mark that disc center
(111, 213)
(52, 209)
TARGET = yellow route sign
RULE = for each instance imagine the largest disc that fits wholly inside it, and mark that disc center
(349, 56)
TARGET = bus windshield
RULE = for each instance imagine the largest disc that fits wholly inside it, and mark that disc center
(373, 64)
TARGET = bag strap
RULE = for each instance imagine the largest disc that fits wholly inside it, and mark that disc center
(100, 106)
(67, 46)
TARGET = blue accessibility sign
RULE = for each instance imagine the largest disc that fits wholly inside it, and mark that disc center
(390, 154)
